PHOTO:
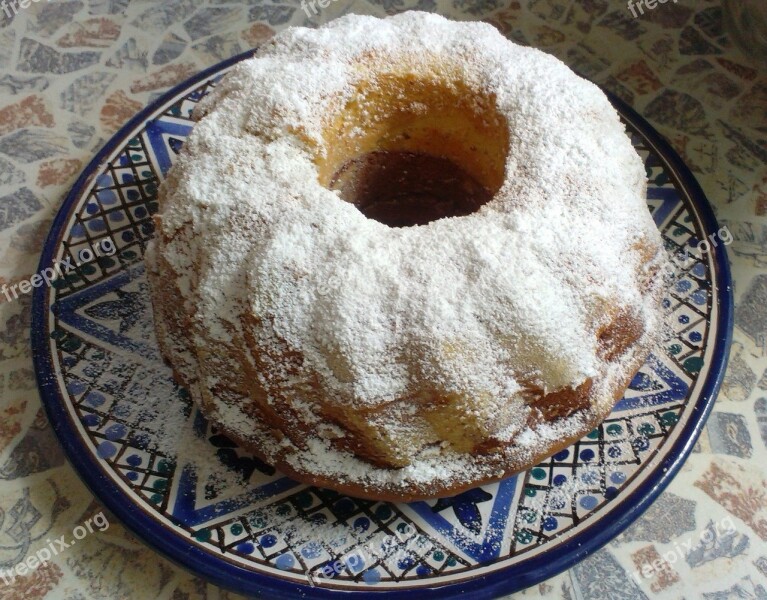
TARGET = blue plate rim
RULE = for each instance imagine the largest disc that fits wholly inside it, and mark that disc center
(503, 581)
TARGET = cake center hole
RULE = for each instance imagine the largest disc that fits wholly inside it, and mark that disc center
(402, 188)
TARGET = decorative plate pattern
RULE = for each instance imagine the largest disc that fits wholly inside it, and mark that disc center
(97, 363)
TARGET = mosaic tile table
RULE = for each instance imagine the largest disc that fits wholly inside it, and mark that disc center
(73, 72)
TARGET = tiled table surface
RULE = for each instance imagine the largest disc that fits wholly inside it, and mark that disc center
(72, 72)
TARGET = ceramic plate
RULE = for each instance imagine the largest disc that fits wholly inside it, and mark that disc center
(152, 459)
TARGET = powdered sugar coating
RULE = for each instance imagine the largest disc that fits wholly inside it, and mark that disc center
(477, 306)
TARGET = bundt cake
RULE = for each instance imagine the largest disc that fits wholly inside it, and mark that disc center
(402, 257)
